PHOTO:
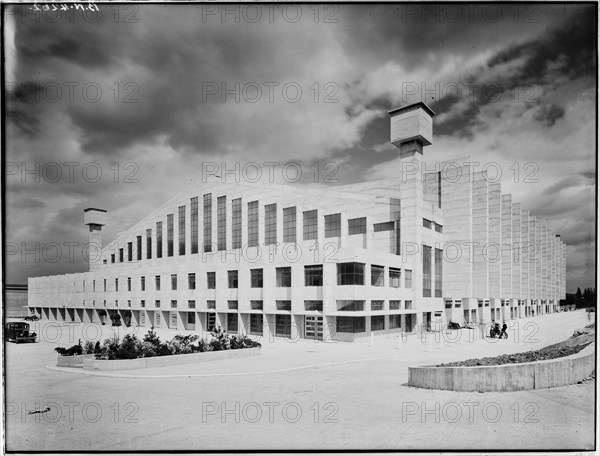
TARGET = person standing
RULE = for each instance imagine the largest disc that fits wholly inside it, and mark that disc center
(504, 333)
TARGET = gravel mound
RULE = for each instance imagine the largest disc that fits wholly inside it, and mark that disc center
(526, 357)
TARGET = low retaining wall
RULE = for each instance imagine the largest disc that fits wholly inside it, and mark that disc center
(506, 377)
(159, 361)
(72, 361)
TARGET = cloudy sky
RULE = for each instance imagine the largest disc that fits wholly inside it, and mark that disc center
(120, 108)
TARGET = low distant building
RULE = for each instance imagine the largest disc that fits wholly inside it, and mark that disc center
(15, 300)
(419, 249)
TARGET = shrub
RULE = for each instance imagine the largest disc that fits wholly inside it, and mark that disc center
(164, 349)
(97, 347)
(148, 350)
(88, 348)
(72, 351)
(109, 348)
(129, 348)
(152, 339)
(220, 340)
(203, 346)
(237, 342)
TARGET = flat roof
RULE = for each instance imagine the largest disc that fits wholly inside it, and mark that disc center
(410, 107)
(94, 209)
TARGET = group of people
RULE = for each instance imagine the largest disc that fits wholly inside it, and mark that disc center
(497, 332)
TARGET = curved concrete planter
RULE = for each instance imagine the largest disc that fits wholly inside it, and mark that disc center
(72, 361)
(159, 361)
(506, 377)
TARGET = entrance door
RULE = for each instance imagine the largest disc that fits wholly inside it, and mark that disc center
(313, 327)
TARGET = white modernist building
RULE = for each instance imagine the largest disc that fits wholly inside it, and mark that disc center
(338, 263)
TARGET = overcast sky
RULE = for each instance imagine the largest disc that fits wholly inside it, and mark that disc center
(150, 91)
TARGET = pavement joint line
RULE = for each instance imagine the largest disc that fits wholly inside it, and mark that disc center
(277, 371)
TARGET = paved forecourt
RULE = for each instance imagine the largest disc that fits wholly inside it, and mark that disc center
(312, 395)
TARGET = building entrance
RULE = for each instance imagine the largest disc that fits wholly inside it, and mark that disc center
(313, 327)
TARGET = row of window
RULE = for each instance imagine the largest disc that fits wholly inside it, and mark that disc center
(332, 228)
(286, 305)
(432, 225)
(347, 274)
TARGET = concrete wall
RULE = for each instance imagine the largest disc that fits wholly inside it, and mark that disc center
(160, 361)
(506, 377)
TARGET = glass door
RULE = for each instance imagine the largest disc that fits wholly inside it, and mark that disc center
(313, 327)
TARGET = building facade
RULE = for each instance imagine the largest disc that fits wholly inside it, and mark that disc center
(338, 263)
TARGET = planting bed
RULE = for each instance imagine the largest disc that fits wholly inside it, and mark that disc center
(517, 358)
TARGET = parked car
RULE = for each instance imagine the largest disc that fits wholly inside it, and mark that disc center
(18, 331)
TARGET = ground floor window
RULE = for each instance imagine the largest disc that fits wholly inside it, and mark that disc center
(395, 321)
(211, 318)
(350, 324)
(377, 322)
(283, 325)
(256, 324)
(232, 322)
(191, 318)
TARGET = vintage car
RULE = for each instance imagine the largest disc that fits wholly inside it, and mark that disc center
(18, 331)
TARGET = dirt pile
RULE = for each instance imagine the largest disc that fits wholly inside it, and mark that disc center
(526, 357)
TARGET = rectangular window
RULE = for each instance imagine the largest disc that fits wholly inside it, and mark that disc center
(211, 304)
(283, 326)
(236, 223)
(480, 303)
(149, 244)
(93, 285)
(112, 258)
(386, 226)
(284, 277)
(159, 240)
(350, 305)
(313, 305)
(448, 303)
(426, 223)
(170, 235)
(377, 275)
(350, 274)
(395, 321)
(457, 303)
(139, 248)
(207, 211)
(350, 324)
(232, 305)
(270, 224)
(191, 318)
(438, 273)
(211, 320)
(222, 223)
(333, 225)
(157, 283)
(313, 276)
(357, 226)
(211, 280)
(256, 278)
(104, 285)
(194, 224)
(395, 305)
(157, 303)
(377, 305)
(256, 305)
(438, 227)
(142, 303)
(253, 224)
(173, 281)
(143, 283)
(232, 322)
(407, 278)
(173, 304)
(191, 304)
(232, 279)
(181, 230)
(426, 271)
(130, 251)
(191, 281)
(377, 322)
(310, 225)
(395, 277)
(283, 305)
(289, 224)
(120, 255)
(408, 305)
(116, 284)
(256, 324)
(128, 283)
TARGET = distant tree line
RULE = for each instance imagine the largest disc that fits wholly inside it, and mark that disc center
(581, 300)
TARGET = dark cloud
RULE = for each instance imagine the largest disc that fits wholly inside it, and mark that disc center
(548, 115)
